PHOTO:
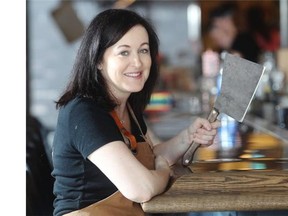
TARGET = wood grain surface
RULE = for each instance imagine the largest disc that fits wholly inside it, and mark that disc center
(223, 191)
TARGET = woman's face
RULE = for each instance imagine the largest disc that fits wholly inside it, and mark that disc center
(126, 64)
(223, 32)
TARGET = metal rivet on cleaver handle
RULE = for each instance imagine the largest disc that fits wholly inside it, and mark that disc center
(188, 156)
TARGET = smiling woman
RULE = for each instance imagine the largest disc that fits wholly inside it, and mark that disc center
(104, 162)
(126, 64)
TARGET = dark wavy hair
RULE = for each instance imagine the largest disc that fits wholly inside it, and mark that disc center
(105, 30)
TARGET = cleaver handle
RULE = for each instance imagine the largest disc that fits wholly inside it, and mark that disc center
(188, 156)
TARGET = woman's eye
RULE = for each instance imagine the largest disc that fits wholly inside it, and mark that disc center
(124, 53)
(144, 51)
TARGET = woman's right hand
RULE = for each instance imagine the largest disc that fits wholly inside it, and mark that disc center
(202, 131)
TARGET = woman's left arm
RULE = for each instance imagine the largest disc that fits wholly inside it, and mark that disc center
(200, 131)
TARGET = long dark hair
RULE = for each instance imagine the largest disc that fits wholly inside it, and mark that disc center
(105, 30)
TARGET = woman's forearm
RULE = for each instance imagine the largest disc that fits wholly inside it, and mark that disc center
(200, 131)
(174, 148)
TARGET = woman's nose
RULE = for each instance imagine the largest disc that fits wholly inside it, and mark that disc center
(137, 62)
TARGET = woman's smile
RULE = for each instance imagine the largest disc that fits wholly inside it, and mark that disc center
(133, 74)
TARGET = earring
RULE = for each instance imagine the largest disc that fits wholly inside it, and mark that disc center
(99, 67)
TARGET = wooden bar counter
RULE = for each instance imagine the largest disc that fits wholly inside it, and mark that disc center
(252, 176)
(223, 191)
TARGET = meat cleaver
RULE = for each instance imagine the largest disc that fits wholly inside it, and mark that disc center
(240, 79)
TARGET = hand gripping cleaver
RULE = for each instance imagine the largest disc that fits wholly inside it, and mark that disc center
(240, 79)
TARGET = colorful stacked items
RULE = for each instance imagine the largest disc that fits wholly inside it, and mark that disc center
(160, 102)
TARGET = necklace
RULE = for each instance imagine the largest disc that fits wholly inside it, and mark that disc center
(122, 121)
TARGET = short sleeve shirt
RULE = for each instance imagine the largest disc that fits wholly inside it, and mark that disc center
(83, 127)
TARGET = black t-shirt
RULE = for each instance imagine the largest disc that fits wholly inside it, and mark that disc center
(82, 127)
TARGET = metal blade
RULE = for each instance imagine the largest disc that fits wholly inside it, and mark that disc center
(240, 79)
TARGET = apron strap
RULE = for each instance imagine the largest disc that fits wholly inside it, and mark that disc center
(135, 119)
(127, 134)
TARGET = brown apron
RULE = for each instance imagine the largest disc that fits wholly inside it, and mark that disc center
(117, 204)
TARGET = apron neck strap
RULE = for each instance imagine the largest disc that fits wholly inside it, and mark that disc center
(127, 134)
(135, 119)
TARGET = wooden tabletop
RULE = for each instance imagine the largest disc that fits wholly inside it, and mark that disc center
(223, 191)
(245, 171)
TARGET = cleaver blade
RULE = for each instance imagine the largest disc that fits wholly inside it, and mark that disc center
(240, 79)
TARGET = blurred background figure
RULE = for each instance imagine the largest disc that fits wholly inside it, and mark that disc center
(224, 32)
(266, 35)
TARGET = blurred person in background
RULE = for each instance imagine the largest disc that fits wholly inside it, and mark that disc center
(225, 34)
